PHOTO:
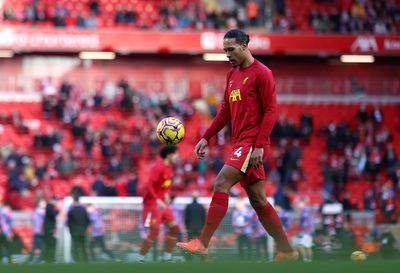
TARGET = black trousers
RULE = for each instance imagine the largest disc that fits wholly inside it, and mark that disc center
(244, 246)
(261, 244)
(98, 241)
(79, 252)
(38, 244)
(50, 250)
(193, 234)
(5, 245)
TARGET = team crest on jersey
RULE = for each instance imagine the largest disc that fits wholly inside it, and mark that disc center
(235, 95)
(166, 183)
(230, 84)
(245, 80)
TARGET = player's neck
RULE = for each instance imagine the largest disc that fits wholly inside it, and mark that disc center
(247, 62)
(166, 162)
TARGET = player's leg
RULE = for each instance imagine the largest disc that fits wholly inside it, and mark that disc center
(82, 242)
(227, 177)
(308, 248)
(100, 241)
(248, 248)
(239, 240)
(92, 245)
(267, 215)
(302, 252)
(168, 219)
(152, 220)
(170, 240)
(309, 254)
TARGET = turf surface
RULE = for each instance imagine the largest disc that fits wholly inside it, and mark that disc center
(211, 267)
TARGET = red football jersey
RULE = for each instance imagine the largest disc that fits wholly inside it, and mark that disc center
(250, 104)
(159, 182)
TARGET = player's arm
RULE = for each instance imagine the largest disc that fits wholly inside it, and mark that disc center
(154, 177)
(267, 95)
(150, 184)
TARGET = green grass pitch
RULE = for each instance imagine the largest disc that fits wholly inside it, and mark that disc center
(211, 267)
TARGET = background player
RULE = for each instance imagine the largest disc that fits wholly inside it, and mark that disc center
(97, 233)
(250, 104)
(156, 210)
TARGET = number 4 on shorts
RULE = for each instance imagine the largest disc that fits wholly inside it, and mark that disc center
(238, 152)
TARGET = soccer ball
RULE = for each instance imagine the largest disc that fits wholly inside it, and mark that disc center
(170, 131)
(358, 256)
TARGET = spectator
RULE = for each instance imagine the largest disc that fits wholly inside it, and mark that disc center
(88, 142)
(241, 222)
(369, 200)
(261, 240)
(77, 189)
(388, 201)
(38, 232)
(49, 228)
(284, 216)
(66, 165)
(377, 115)
(97, 233)
(98, 186)
(132, 185)
(304, 239)
(6, 233)
(9, 13)
(91, 21)
(194, 216)
(94, 7)
(346, 238)
(387, 244)
(252, 10)
(130, 15)
(78, 222)
(362, 114)
(306, 126)
(81, 21)
(282, 199)
(280, 6)
(119, 15)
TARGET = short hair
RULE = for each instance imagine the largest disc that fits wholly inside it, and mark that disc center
(240, 36)
(167, 150)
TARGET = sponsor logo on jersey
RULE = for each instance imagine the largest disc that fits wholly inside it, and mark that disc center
(167, 183)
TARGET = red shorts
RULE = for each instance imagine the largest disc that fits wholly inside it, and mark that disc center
(240, 158)
(153, 216)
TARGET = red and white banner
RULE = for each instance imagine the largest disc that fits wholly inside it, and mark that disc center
(68, 40)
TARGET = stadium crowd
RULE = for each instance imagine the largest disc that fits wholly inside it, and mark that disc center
(333, 16)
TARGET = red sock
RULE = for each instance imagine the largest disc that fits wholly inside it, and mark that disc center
(170, 239)
(144, 248)
(272, 224)
(216, 212)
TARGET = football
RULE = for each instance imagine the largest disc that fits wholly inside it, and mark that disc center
(170, 131)
(358, 256)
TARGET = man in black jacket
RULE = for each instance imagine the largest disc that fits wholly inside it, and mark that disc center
(78, 222)
(195, 216)
(49, 228)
